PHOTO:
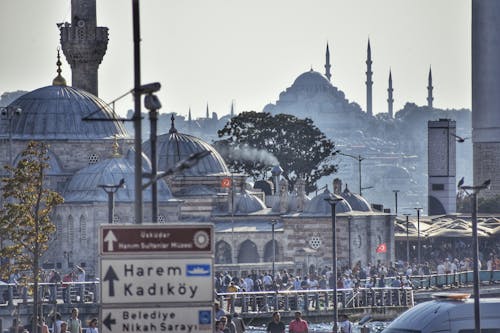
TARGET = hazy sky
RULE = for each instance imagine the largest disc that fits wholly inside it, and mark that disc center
(216, 51)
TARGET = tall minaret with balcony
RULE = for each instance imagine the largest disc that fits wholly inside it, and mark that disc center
(430, 98)
(84, 44)
(327, 63)
(390, 99)
(369, 82)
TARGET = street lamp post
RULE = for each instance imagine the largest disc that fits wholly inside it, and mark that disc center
(359, 159)
(396, 200)
(111, 190)
(418, 209)
(152, 103)
(273, 223)
(333, 200)
(407, 238)
(475, 249)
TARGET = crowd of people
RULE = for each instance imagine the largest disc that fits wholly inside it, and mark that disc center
(57, 325)
(397, 274)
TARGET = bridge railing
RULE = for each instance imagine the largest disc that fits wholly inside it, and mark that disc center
(458, 279)
(315, 300)
(68, 292)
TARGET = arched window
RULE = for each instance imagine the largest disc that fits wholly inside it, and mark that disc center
(71, 230)
(83, 228)
(248, 252)
(223, 253)
(268, 251)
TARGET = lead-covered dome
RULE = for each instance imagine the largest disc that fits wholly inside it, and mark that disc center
(356, 201)
(311, 79)
(173, 147)
(86, 184)
(57, 112)
(319, 206)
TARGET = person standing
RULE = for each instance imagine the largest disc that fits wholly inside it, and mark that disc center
(298, 325)
(92, 326)
(276, 325)
(345, 324)
(74, 323)
(239, 323)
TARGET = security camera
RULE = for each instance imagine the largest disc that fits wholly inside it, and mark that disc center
(148, 88)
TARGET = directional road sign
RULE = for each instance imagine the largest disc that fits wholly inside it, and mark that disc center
(156, 281)
(158, 319)
(155, 238)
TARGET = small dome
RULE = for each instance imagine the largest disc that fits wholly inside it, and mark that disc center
(56, 112)
(174, 147)
(85, 184)
(319, 206)
(247, 203)
(356, 201)
(311, 79)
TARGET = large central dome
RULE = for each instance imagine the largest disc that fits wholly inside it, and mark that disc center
(311, 79)
(57, 112)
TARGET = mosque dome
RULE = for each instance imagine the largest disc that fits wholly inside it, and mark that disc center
(357, 202)
(319, 206)
(311, 79)
(247, 203)
(173, 147)
(85, 184)
(55, 113)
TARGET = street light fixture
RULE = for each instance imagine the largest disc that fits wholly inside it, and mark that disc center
(407, 237)
(418, 209)
(358, 158)
(333, 199)
(111, 190)
(273, 223)
(475, 247)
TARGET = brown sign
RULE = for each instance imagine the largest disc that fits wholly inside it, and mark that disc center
(148, 239)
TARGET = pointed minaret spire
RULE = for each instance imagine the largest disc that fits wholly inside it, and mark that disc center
(189, 115)
(327, 63)
(430, 98)
(207, 112)
(172, 126)
(232, 109)
(369, 82)
(390, 100)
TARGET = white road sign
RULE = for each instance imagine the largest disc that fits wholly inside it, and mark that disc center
(156, 280)
(157, 319)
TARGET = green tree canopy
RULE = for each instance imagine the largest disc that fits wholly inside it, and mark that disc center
(25, 223)
(253, 142)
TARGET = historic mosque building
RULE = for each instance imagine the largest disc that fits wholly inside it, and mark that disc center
(87, 154)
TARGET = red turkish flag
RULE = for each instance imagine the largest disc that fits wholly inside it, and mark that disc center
(225, 182)
(382, 248)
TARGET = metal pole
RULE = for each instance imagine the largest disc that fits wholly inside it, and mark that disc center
(137, 113)
(359, 171)
(274, 247)
(334, 251)
(396, 200)
(153, 117)
(475, 258)
(407, 238)
(418, 239)
(111, 206)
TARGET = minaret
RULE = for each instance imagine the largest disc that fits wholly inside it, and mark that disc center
(84, 44)
(327, 63)
(189, 115)
(232, 109)
(369, 82)
(207, 112)
(390, 100)
(429, 89)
